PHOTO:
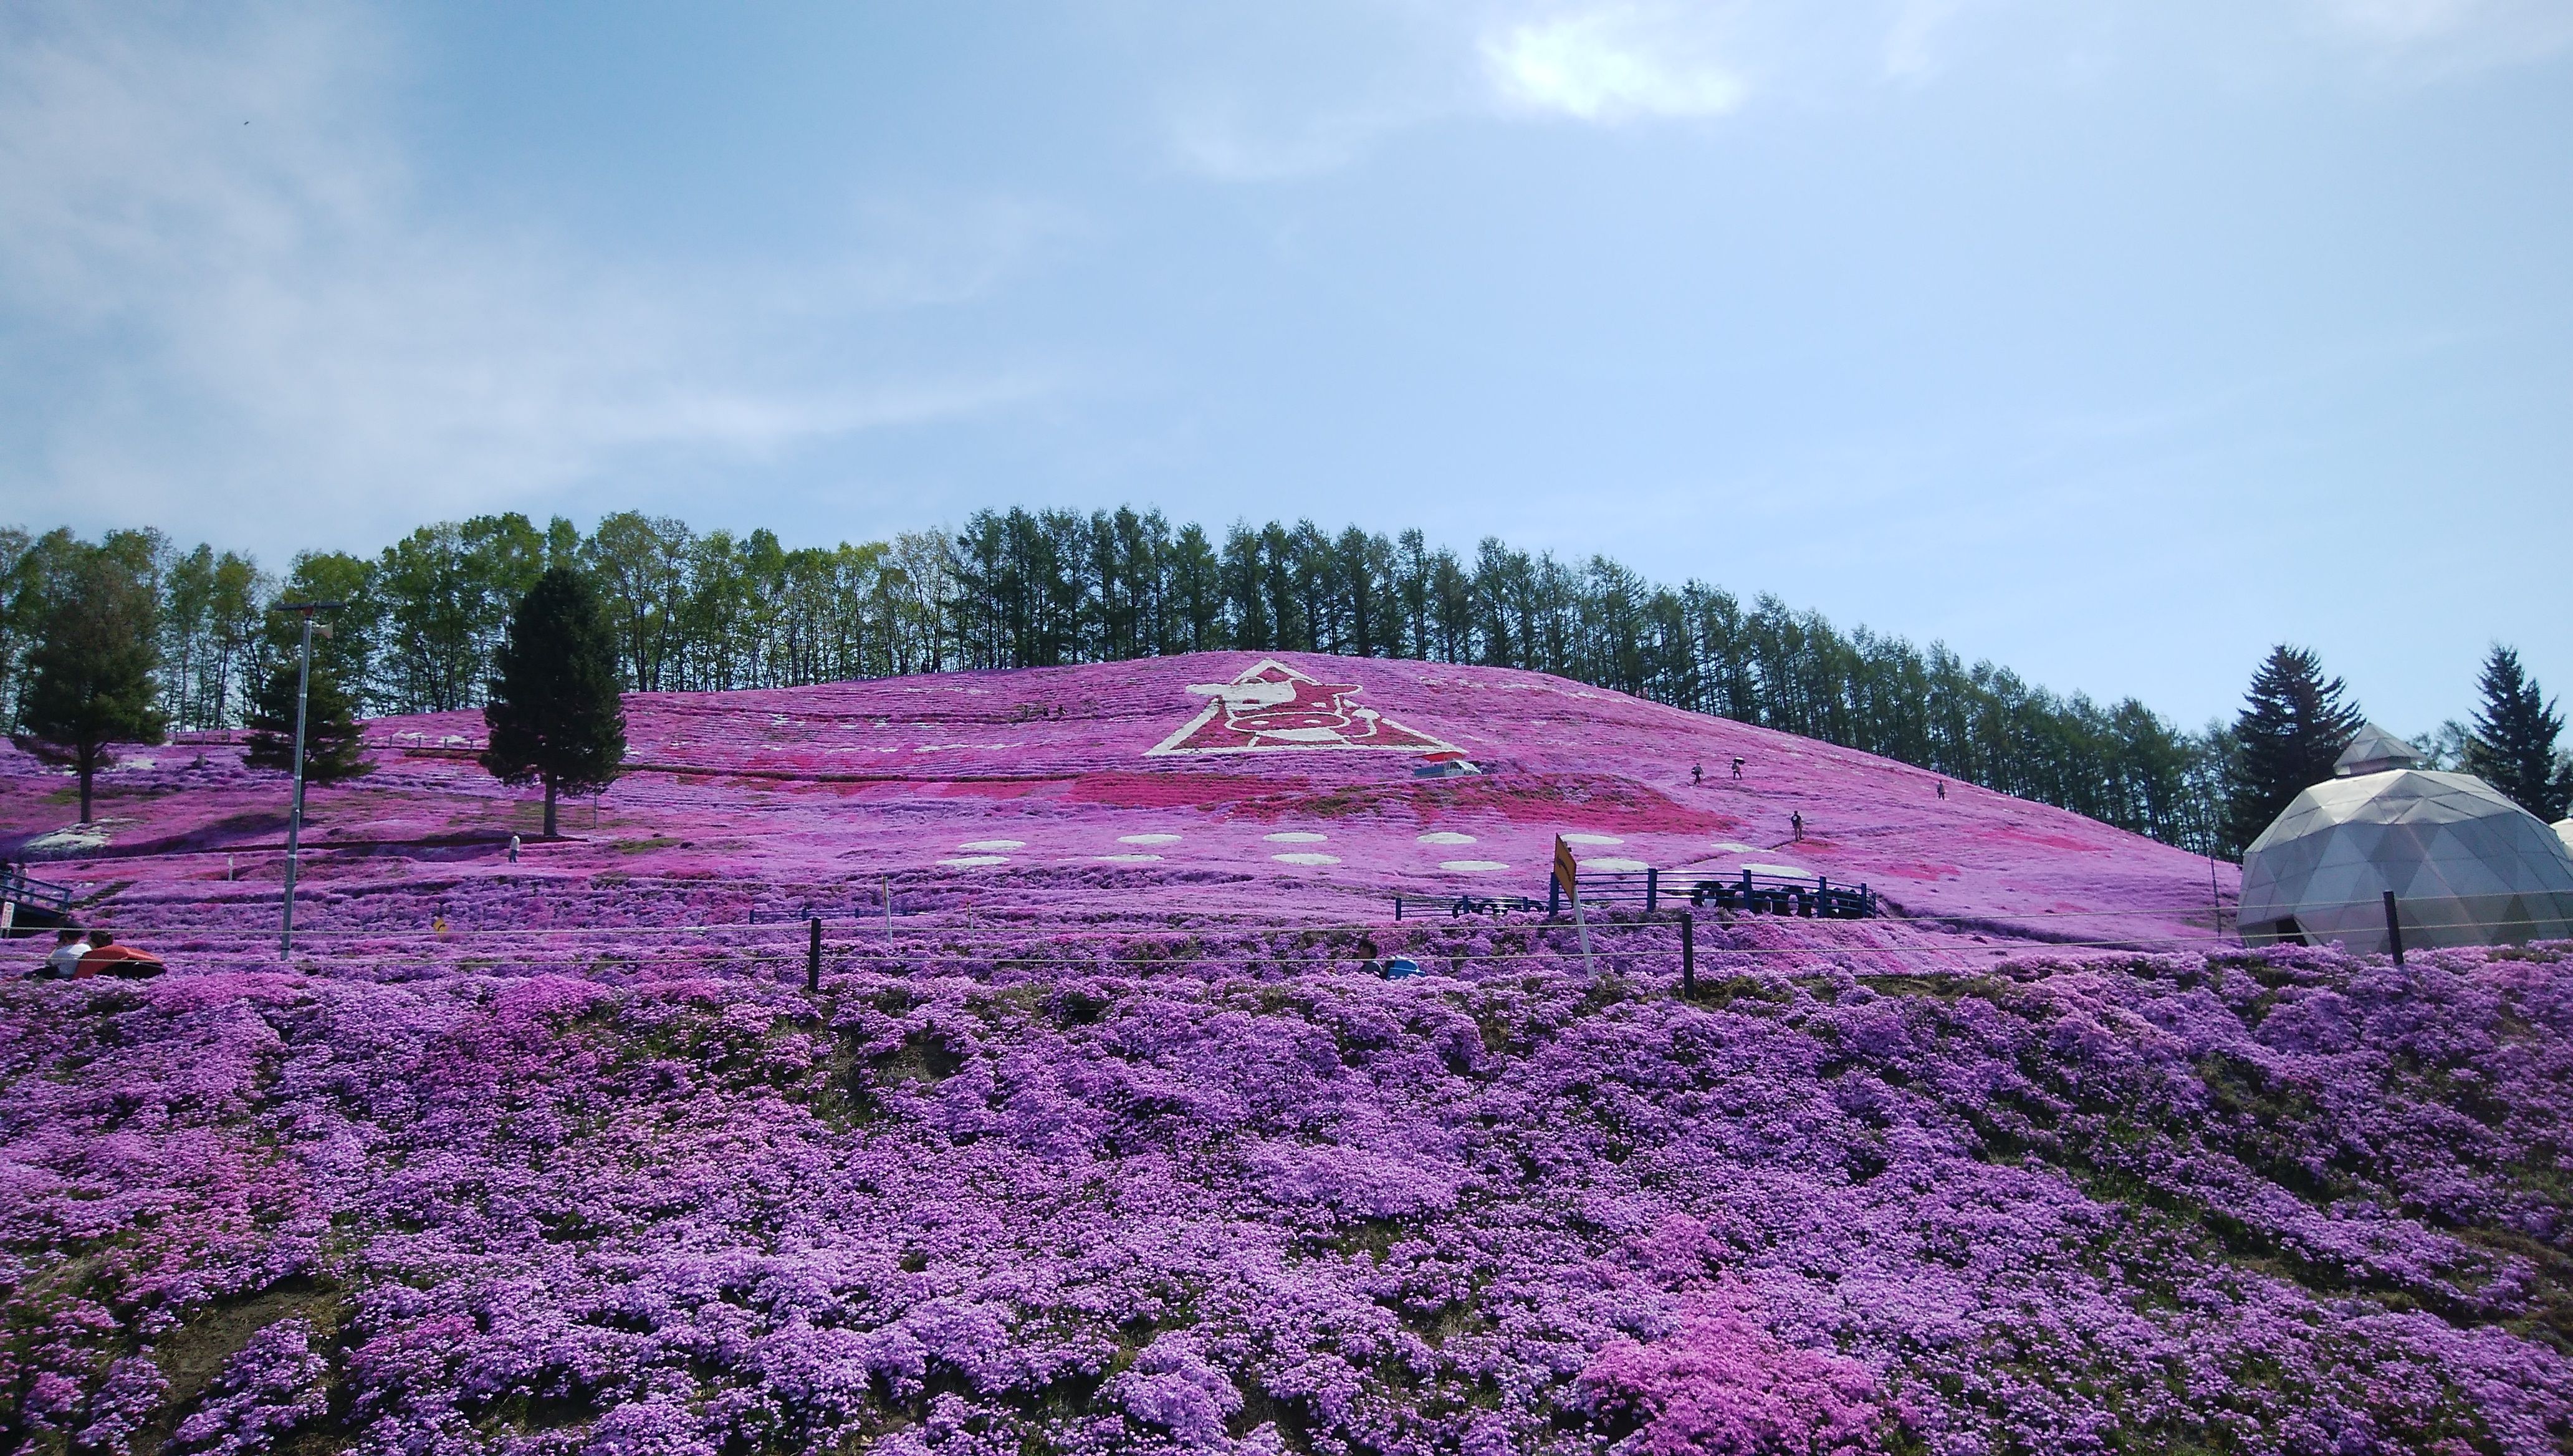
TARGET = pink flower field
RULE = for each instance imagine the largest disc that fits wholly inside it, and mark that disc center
(1108, 1138)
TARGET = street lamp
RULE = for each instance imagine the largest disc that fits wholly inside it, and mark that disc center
(294, 815)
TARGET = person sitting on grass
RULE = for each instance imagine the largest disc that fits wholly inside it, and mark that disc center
(106, 957)
(63, 963)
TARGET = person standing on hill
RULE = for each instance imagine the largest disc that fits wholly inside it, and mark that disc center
(1697, 773)
(1942, 788)
(554, 716)
(1796, 821)
(1737, 766)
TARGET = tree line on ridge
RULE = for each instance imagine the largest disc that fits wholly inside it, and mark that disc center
(426, 615)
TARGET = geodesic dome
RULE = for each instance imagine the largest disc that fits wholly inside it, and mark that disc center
(2467, 865)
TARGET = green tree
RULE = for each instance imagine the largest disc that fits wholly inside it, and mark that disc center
(211, 610)
(90, 673)
(554, 712)
(642, 562)
(447, 592)
(18, 566)
(347, 656)
(334, 740)
(2292, 725)
(2513, 747)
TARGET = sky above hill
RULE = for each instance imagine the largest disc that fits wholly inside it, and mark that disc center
(2110, 341)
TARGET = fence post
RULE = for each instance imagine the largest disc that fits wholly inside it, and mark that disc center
(1688, 954)
(1398, 908)
(813, 956)
(1652, 889)
(1553, 895)
(2393, 929)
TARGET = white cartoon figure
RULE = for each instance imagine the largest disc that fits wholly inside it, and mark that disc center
(1271, 707)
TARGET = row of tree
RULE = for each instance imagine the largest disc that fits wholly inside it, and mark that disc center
(2296, 723)
(426, 616)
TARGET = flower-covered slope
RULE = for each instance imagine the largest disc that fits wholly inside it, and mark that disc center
(2268, 1203)
(1281, 787)
(1104, 1141)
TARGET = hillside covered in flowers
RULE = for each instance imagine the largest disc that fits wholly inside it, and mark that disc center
(1101, 1132)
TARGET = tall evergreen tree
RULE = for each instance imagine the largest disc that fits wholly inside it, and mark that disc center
(554, 713)
(2292, 726)
(90, 680)
(2513, 747)
(333, 741)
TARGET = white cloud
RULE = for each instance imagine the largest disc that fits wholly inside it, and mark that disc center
(228, 303)
(1614, 63)
(1213, 134)
(2400, 22)
(1911, 47)
(2446, 36)
(1248, 117)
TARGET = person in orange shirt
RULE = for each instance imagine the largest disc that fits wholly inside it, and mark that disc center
(106, 957)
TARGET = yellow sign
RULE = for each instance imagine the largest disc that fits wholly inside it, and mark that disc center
(1564, 866)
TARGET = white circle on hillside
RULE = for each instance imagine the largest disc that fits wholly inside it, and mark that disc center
(993, 844)
(1801, 874)
(1147, 839)
(1592, 839)
(1615, 867)
(1445, 836)
(1307, 859)
(972, 862)
(1470, 867)
(1295, 835)
(1129, 859)
(1737, 848)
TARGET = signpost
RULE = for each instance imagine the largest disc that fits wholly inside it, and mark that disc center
(1564, 873)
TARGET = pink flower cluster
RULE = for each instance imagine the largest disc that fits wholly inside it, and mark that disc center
(1724, 1386)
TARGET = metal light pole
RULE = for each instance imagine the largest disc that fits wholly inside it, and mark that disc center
(295, 814)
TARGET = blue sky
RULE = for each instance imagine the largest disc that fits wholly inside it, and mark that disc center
(2110, 341)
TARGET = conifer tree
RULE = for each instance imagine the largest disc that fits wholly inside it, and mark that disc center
(333, 739)
(2513, 746)
(2292, 725)
(89, 675)
(554, 713)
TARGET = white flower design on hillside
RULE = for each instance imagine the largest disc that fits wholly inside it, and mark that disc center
(1272, 708)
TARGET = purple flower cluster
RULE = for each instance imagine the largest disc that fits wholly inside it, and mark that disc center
(273, 1386)
(2280, 1202)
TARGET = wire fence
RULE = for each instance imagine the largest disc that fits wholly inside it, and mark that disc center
(2416, 915)
(1668, 945)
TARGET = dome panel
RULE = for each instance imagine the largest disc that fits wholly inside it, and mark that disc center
(2373, 750)
(2466, 865)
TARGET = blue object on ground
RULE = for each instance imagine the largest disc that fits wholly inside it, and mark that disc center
(1402, 968)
